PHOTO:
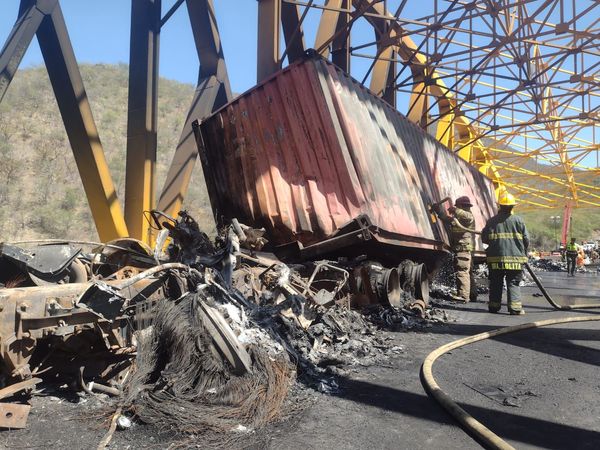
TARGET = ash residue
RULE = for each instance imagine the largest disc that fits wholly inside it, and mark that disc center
(443, 285)
(340, 338)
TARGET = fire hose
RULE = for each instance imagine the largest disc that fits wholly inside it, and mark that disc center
(475, 428)
(551, 301)
(479, 431)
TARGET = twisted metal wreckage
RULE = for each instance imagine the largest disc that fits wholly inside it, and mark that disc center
(69, 311)
(331, 179)
(83, 314)
(345, 202)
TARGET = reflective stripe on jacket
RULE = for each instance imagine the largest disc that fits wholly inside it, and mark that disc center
(508, 240)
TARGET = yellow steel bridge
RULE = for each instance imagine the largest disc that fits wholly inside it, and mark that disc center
(512, 86)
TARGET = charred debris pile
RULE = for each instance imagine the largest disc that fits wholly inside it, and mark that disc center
(197, 335)
(548, 265)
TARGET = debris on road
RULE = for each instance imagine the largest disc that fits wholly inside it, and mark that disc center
(192, 379)
(548, 265)
(200, 336)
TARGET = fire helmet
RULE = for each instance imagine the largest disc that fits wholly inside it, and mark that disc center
(463, 201)
(506, 199)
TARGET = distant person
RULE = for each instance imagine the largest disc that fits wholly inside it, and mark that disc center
(571, 253)
(580, 257)
(460, 219)
(508, 241)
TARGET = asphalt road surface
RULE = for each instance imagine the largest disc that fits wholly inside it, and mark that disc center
(536, 389)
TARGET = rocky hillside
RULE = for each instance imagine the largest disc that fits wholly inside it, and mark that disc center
(585, 226)
(41, 192)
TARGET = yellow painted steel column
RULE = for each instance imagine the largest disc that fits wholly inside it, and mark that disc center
(269, 20)
(445, 126)
(473, 150)
(141, 119)
(381, 71)
(419, 101)
(213, 91)
(80, 126)
(464, 136)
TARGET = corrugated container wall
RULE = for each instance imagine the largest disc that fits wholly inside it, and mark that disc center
(310, 149)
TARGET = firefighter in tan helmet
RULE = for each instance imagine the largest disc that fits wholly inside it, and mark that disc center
(460, 220)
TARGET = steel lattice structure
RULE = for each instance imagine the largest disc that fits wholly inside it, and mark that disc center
(510, 85)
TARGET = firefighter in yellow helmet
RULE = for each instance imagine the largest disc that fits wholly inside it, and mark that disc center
(508, 241)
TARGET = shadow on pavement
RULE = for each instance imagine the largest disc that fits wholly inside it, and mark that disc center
(509, 426)
(551, 341)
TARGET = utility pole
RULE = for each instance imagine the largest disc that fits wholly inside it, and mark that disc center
(555, 220)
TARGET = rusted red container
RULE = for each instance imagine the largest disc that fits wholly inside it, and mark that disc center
(310, 149)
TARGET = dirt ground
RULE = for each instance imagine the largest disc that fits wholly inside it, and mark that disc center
(536, 389)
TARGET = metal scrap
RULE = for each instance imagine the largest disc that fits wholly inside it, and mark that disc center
(228, 316)
(548, 265)
(18, 387)
(13, 415)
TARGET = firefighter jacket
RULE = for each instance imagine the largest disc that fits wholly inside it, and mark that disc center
(507, 241)
(460, 240)
(572, 250)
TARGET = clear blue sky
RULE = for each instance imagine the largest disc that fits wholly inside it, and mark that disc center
(99, 31)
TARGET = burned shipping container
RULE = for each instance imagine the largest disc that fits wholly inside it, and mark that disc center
(326, 166)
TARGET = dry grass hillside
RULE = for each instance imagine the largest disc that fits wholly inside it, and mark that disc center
(41, 191)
